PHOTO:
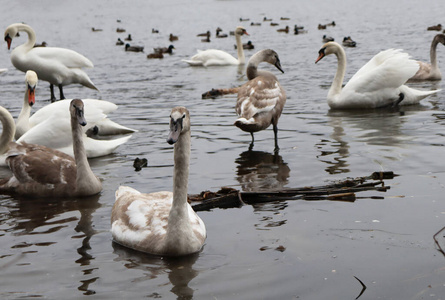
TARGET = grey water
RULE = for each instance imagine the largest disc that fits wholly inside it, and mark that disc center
(62, 248)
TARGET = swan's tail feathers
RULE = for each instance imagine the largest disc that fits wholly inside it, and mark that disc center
(97, 148)
(413, 96)
(109, 127)
(213, 93)
(193, 62)
(125, 190)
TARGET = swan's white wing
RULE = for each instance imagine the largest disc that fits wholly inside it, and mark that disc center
(67, 57)
(387, 70)
(212, 57)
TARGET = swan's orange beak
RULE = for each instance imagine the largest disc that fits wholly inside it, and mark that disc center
(8, 40)
(31, 96)
(320, 57)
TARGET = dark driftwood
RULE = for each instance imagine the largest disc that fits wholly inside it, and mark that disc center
(214, 93)
(339, 191)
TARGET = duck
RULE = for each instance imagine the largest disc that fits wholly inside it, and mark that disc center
(255, 24)
(207, 34)
(154, 30)
(162, 223)
(247, 46)
(120, 30)
(331, 24)
(119, 42)
(379, 83)
(58, 66)
(261, 100)
(284, 19)
(267, 20)
(348, 42)
(327, 39)
(430, 71)
(219, 34)
(97, 111)
(299, 30)
(274, 24)
(437, 27)
(93, 29)
(168, 49)
(244, 20)
(321, 27)
(39, 171)
(130, 48)
(286, 29)
(155, 55)
(42, 44)
(214, 57)
(173, 37)
(207, 39)
(128, 38)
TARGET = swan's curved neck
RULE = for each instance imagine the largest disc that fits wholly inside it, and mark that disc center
(433, 53)
(8, 129)
(22, 125)
(339, 75)
(31, 35)
(85, 178)
(240, 50)
(178, 220)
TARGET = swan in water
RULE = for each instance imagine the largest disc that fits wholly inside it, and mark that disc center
(58, 66)
(261, 99)
(214, 57)
(379, 83)
(96, 111)
(39, 171)
(430, 71)
(161, 223)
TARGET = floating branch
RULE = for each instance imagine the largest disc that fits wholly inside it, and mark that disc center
(214, 93)
(338, 191)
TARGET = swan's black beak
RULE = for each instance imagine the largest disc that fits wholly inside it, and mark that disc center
(278, 65)
(175, 130)
(321, 54)
(8, 40)
(80, 116)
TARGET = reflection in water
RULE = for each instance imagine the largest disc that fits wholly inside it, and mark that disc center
(382, 127)
(258, 170)
(180, 269)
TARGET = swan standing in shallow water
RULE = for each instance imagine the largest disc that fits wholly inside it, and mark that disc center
(430, 71)
(39, 171)
(378, 83)
(214, 57)
(50, 125)
(161, 223)
(58, 66)
(261, 99)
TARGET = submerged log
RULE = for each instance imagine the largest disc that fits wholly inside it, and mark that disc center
(344, 190)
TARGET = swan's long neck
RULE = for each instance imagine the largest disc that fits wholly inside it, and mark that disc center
(339, 75)
(8, 129)
(85, 178)
(240, 50)
(433, 53)
(31, 36)
(178, 220)
(22, 125)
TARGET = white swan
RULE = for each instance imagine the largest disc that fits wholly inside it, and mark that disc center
(58, 66)
(96, 113)
(39, 171)
(379, 83)
(161, 223)
(261, 99)
(214, 57)
(430, 71)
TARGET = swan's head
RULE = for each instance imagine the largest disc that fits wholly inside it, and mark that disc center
(31, 84)
(272, 57)
(326, 49)
(440, 38)
(77, 111)
(10, 32)
(240, 30)
(179, 123)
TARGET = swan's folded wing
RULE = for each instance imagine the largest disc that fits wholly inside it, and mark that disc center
(67, 57)
(388, 69)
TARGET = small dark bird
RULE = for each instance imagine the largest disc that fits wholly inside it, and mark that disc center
(348, 42)
(134, 48)
(119, 42)
(168, 49)
(204, 34)
(327, 39)
(284, 19)
(172, 37)
(255, 24)
(248, 46)
(95, 29)
(437, 27)
(242, 20)
(266, 19)
(155, 55)
(299, 30)
(331, 24)
(139, 163)
(274, 24)
(43, 44)
(128, 38)
(120, 30)
(286, 30)
(219, 34)
(321, 27)
(154, 30)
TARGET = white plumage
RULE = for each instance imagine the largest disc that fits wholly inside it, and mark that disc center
(379, 83)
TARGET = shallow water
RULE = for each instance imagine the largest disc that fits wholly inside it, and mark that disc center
(58, 249)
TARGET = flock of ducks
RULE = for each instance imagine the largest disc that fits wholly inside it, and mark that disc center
(47, 162)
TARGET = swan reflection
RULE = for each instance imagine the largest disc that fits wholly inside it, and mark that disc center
(180, 269)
